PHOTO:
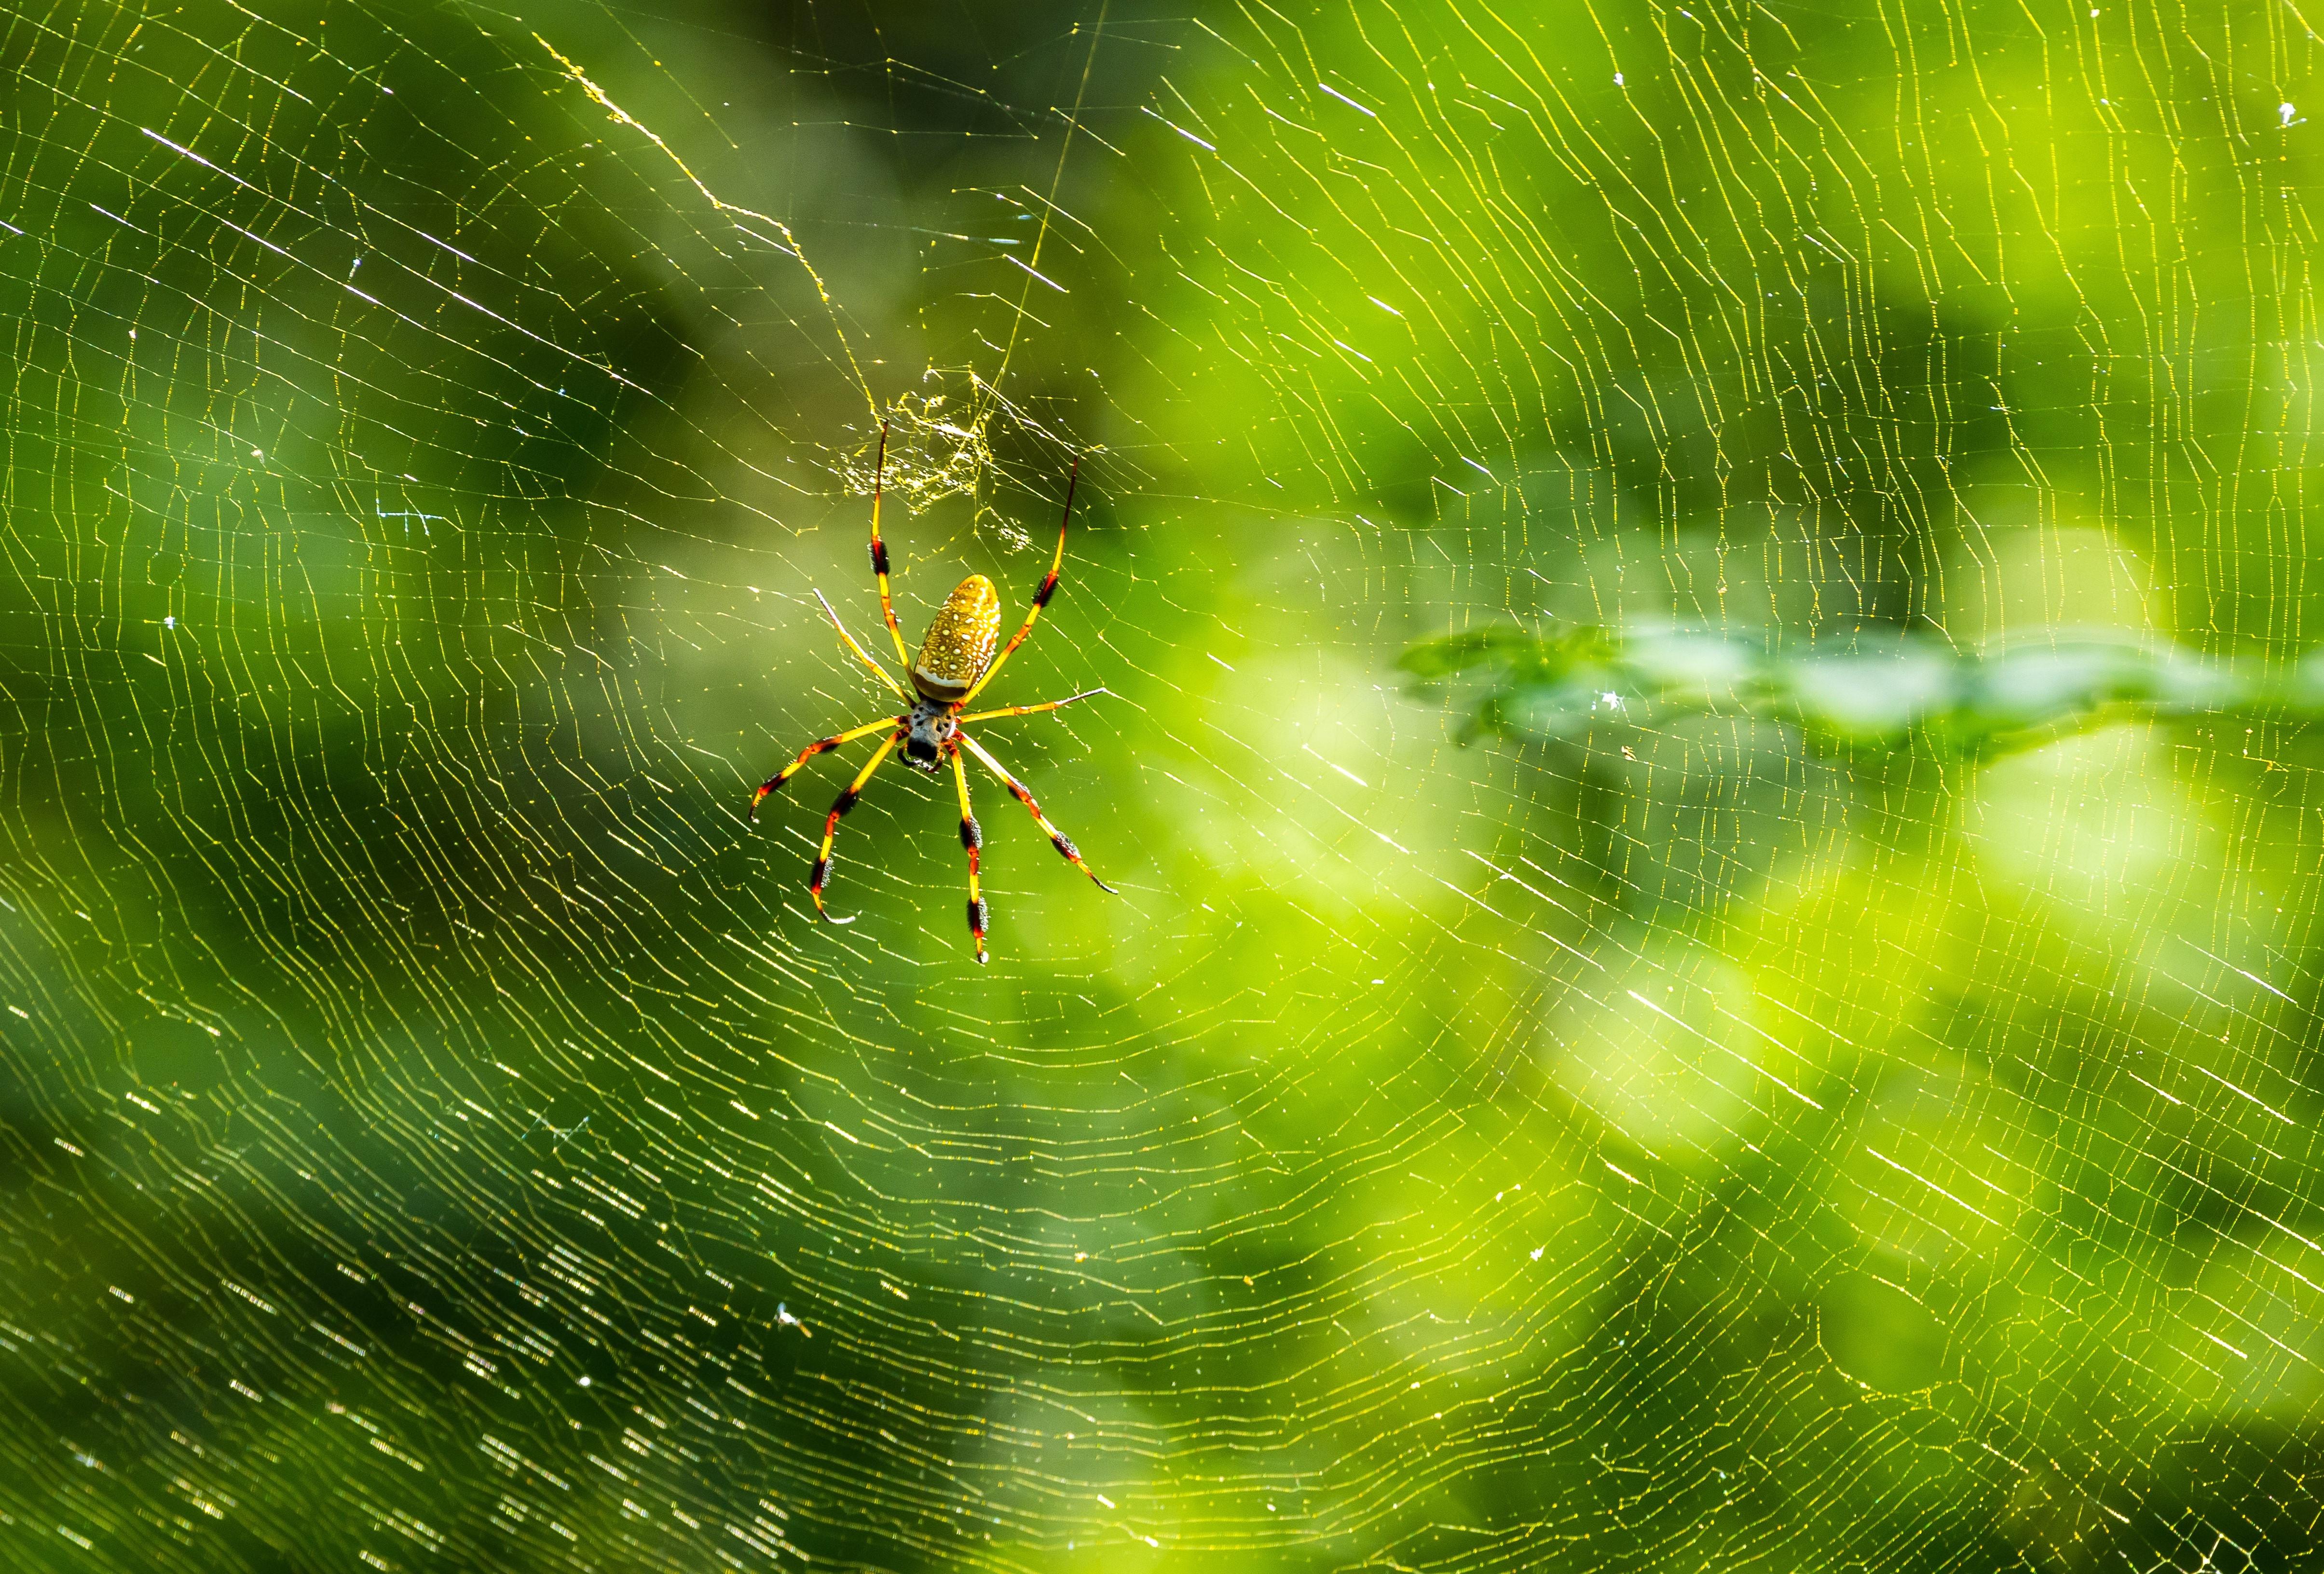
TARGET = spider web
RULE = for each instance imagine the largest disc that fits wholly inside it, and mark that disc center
(437, 1135)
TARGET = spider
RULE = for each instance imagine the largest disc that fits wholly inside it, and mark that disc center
(955, 662)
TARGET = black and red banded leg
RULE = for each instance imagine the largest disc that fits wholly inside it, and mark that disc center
(971, 841)
(1057, 839)
(820, 746)
(844, 802)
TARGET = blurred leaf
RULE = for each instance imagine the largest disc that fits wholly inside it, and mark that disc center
(1886, 695)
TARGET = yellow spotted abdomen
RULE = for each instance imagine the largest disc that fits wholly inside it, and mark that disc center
(959, 646)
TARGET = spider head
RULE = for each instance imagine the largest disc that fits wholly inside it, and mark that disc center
(931, 729)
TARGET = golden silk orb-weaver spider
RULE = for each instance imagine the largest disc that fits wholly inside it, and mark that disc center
(955, 664)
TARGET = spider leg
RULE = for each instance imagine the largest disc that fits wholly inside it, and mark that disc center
(1031, 710)
(1040, 597)
(972, 837)
(886, 676)
(845, 801)
(879, 553)
(819, 746)
(1057, 839)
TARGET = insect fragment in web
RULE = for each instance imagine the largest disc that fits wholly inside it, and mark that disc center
(957, 659)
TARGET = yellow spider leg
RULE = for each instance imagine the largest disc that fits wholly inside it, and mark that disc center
(1057, 839)
(886, 676)
(845, 802)
(1030, 710)
(879, 553)
(819, 746)
(1040, 597)
(972, 837)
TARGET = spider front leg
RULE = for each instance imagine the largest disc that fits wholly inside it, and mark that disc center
(820, 746)
(972, 837)
(1057, 839)
(845, 801)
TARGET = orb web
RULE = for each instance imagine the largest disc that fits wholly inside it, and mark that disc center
(1702, 613)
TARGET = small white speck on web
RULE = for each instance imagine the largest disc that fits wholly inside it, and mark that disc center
(170, 621)
(1617, 79)
(2287, 111)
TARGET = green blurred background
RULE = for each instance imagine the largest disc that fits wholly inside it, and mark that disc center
(1657, 1130)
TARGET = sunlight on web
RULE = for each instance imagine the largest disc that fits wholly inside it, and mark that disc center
(1702, 621)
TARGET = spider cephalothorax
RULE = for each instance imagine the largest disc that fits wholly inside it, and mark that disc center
(927, 732)
(956, 661)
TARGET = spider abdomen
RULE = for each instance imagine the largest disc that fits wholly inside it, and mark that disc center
(959, 646)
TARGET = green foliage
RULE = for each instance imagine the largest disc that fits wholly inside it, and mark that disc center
(1870, 693)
